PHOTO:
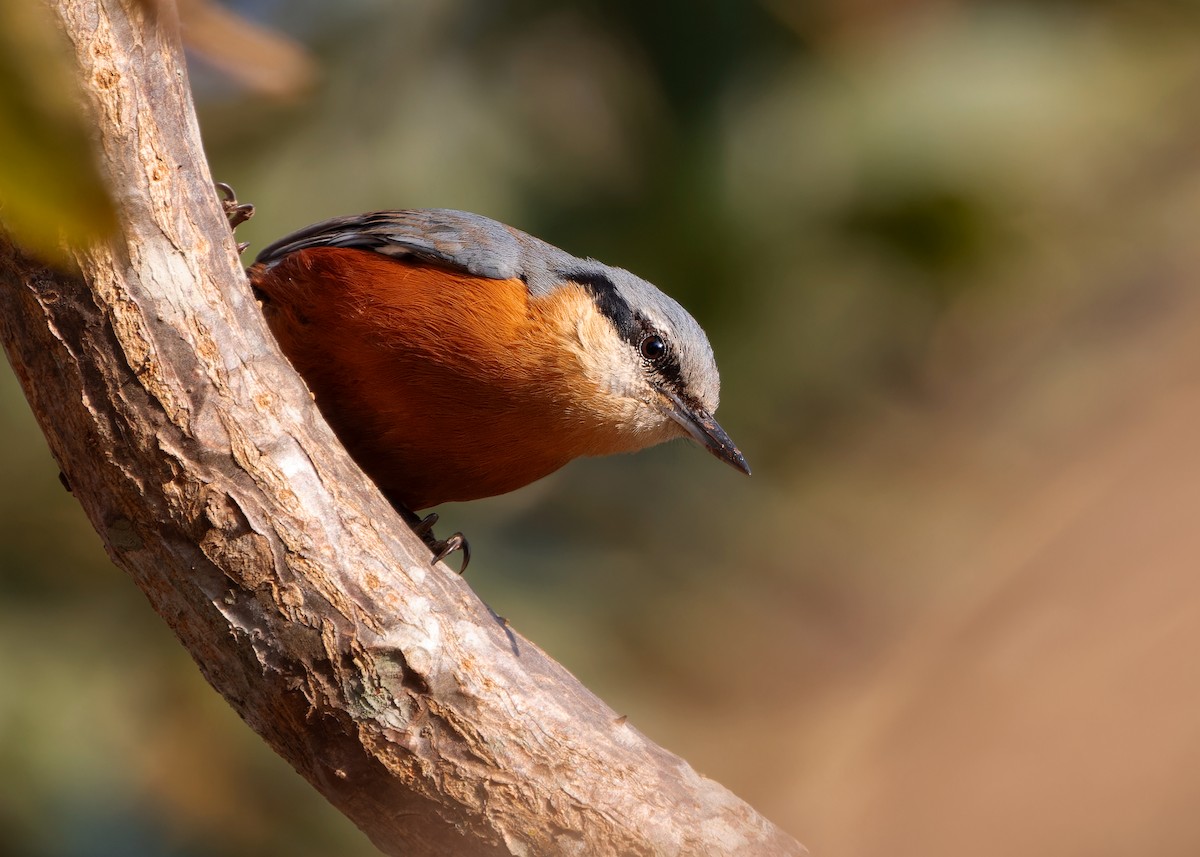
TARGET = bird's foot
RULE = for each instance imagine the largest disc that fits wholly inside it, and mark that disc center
(236, 212)
(441, 548)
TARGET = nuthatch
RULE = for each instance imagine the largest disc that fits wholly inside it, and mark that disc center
(458, 358)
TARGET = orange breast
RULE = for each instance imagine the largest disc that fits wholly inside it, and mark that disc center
(443, 386)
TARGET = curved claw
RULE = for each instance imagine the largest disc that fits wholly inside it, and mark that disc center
(442, 548)
(236, 212)
(456, 542)
(424, 527)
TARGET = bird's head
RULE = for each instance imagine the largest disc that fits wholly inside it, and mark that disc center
(648, 363)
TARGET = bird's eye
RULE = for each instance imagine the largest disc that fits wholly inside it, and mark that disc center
(652, 347)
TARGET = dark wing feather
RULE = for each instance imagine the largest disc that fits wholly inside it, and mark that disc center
(469, 242)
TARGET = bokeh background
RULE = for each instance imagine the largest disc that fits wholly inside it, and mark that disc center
(946, 255)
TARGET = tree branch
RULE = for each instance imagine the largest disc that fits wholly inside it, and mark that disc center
(199, 457)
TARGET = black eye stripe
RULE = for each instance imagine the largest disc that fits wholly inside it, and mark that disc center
(632, 327)
(609, 301)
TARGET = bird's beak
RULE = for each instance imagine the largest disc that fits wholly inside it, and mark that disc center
(704, 430)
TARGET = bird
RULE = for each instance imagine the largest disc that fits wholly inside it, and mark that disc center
(458, 358)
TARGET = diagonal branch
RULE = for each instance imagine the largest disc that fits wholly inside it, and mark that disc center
(199, 457)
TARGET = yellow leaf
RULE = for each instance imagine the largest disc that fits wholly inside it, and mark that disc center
(51, 192)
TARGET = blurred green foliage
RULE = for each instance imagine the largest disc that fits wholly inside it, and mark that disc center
(50, 189)
(867, 204)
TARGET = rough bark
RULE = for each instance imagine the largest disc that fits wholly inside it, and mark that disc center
(198, 455)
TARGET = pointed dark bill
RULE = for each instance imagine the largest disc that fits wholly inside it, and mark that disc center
(705, 431)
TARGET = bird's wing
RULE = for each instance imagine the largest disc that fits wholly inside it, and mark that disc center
(469, 242)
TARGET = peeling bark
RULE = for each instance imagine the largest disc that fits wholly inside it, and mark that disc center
(201, 460)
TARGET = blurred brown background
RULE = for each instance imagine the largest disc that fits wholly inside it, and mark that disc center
(945, 254)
